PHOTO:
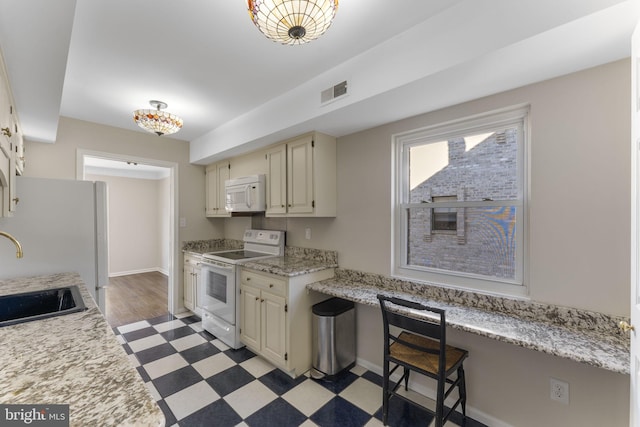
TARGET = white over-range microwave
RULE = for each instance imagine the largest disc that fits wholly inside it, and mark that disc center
(245, 194)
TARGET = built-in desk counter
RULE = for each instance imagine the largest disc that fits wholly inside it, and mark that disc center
(583, 336)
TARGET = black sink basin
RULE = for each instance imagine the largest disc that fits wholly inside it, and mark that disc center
(36, 305)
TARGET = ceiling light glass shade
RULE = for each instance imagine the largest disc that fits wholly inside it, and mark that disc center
(292, 21)
(156, 121)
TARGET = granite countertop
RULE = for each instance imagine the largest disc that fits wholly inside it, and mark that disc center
(73, 359)
(289, 266)
(199, 247)
(549, 329)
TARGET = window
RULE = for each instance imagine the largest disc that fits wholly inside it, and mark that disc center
(460, 202)
(444, 219)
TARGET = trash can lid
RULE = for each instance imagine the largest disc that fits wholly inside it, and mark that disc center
(332, 307)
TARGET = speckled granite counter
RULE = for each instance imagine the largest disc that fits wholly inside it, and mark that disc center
(211, 245)
(587, 337)
(73, 359)
(288, 266)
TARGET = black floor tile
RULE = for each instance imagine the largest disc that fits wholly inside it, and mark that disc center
(175, 381)
(191, 319)
(230, 380)
(155, 353)
(218, 414)
(278, 413)
(239, 355)
(138, 334)
(199, 352)
(174, 334)
(339, 382)
(403, 414)
(162, 319)
(170, 419)
(279, 382)
(143, 374)
(339, 412)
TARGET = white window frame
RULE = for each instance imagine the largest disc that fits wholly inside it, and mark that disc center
(516, 115)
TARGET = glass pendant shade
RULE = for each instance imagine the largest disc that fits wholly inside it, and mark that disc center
(157, 121)
(292, 21)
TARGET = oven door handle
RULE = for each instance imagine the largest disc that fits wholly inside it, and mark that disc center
(228, 267)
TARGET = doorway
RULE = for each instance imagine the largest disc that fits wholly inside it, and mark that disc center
(135, 173)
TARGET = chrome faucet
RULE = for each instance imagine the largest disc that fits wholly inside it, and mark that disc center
(15, 242)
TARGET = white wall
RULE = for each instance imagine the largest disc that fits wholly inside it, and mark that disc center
(59, 161)
(138, 224)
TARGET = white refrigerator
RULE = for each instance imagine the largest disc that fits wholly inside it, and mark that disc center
(62, 227)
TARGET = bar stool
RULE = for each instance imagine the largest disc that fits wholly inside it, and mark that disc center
(421, 346)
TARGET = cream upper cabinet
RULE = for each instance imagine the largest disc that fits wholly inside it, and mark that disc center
(11, 146)
(275, 317)
(277, 180)
(301, 176)
(216, 175)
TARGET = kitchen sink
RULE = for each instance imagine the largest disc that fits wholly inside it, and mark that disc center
(36, 305)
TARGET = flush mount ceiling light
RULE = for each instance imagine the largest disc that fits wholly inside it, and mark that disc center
(292, 21)
(156, 121)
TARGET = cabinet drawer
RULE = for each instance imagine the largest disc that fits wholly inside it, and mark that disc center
(193, 260)
(262, 281)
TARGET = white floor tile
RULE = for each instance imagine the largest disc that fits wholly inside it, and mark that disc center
(187, 401)
(220, 345)
(364, 394)
(166, 326)
(147, 342)
(308, 397)
(121, 339)
(134, 360)
(163, 366)
(213, 365)
(358, 370)
(248, 399)
(133, 326)
(374, 422)
(183, 315)
(257, 366)
(197, 326)
(189, 341)
(153, 391)
(310, 423)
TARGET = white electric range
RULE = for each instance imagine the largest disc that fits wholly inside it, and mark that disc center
(219, 290)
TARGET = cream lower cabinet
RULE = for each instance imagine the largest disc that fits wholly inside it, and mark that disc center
(276, 317)
(191, 280)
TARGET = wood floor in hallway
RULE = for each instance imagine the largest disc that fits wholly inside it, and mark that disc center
(136, 297)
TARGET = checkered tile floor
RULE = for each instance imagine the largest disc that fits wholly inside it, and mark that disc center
(198, 381)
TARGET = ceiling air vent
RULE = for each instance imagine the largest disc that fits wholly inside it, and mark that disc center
(333, 92)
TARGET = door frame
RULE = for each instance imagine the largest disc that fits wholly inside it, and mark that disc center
(173, 297)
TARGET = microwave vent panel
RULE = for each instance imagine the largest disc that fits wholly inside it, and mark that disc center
(333, 92)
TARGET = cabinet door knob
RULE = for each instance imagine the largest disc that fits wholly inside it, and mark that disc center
(282, 206)
(257, 298)
(248, 279)
(271, 285)
(626, 327)
(16, 200)
(6, 132)
(262, 300)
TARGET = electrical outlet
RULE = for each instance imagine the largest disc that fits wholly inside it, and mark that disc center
(307, 233)
(559, 391)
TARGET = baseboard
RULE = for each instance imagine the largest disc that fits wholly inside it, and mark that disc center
(472, 412)
(143, 270)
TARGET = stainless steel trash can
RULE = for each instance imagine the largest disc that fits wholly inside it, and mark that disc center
(334, 343)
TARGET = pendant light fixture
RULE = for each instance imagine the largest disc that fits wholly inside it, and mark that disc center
(157, 121)
(292, 21)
